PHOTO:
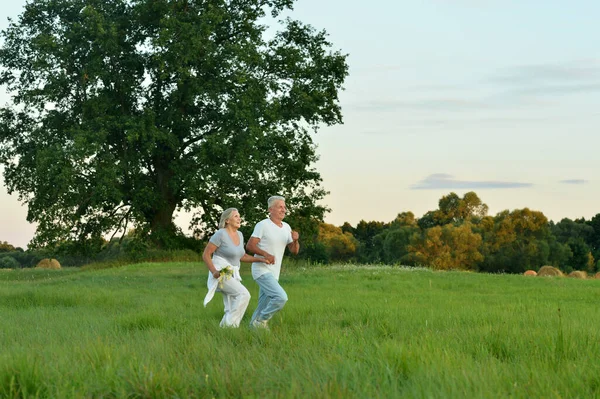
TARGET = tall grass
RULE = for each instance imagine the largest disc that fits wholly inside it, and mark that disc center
(140, 331)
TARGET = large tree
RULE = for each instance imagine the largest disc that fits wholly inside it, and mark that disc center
(124, 111)
(519, 240)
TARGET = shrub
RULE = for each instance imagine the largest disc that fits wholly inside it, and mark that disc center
(315, 252)
(8, 262)
(28, 258)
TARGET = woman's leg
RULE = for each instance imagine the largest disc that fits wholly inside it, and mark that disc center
(235, 298)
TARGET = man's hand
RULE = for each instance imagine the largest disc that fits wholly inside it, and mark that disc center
(294, 246)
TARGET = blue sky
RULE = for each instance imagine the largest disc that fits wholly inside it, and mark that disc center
(497, 97)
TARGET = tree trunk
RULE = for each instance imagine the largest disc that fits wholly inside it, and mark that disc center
(163, 230)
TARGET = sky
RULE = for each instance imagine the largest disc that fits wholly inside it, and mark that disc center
(500, 97)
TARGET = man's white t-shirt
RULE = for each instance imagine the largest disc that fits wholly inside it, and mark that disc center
(273, 239)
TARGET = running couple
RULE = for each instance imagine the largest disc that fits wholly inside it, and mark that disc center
(268, 242)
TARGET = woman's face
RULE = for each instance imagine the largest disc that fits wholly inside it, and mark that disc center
(234, 220)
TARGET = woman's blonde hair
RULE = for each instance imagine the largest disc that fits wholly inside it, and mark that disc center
(225, 216)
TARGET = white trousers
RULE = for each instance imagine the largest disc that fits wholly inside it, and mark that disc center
(236, 299)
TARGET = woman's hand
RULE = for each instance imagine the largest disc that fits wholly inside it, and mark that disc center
(216, 274)
(269, 259)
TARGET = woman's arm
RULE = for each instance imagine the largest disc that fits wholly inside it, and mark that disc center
(207, 258)
(252, 246)
(250, 258)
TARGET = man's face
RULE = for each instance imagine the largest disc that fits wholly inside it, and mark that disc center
(278, 210)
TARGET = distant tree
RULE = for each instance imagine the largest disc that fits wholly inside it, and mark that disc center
(448, 247)
(395, 242)
(449, 209)
(453, 209)
(518, 241)
(8, 262)
(429, 219)
(347, 228)
(404, 219)
(6, 247)
(339, 245)
(594, 241)
(559, 253)
(581, 258)
(125, 111)
(365, 233)
(568, 229)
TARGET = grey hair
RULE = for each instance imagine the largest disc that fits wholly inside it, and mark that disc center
(272, 200)
(226, 215)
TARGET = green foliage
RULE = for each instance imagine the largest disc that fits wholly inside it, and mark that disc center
(518, 242)
(448, 247)
(6, 247)
(365, 233)
(8, 262)
(453, 209)
(315, 252)
(125, 111)
(594, 239)
(394, 243)
(581, 254)
(340, 246)
(510, 242)
(28, 258)
(568, 229)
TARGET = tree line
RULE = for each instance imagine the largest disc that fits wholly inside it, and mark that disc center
(461, 235)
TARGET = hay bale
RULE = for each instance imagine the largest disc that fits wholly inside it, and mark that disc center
(55, 264)
(549, 271)
(48, 264)
(530, 273)
(578, 274)
(597, 275)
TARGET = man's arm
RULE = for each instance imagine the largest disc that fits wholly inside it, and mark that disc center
(294, 246)
(252, 247)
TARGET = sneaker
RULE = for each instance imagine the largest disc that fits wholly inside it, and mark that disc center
(259, 324)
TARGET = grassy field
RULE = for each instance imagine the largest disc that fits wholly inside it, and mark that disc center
(140, 331)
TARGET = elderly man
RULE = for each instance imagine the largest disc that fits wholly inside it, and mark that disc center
(269, 239)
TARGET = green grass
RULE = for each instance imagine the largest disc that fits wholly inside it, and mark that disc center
(140, 331)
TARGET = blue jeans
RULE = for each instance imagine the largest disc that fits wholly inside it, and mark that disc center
(271, 298)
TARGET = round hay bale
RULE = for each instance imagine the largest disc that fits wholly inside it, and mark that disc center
(578, 274)
(530, 273)
(597, 275)
(55, 264)
(549, 271)
(48, 264)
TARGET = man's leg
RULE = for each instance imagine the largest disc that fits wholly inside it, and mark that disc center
(262, 302)
(271, 298)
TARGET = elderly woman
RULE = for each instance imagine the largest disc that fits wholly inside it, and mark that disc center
(226, 248)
